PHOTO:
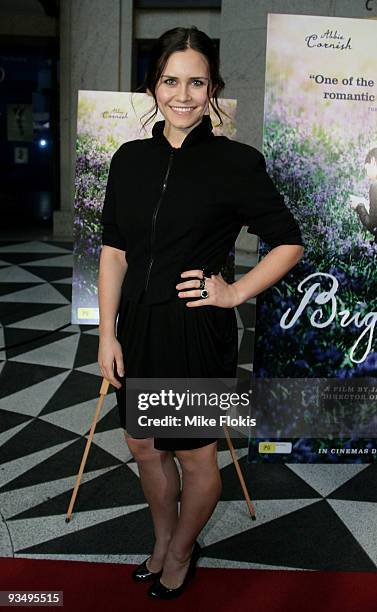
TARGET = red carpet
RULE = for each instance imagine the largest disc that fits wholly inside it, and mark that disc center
(100, 586)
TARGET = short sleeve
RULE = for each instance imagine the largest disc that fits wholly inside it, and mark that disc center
(262, 208)
(111, 235)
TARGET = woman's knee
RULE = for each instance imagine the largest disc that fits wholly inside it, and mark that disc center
(143, 449)
(198, 459)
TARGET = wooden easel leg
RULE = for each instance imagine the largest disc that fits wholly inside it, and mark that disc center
(239, 473)
(103, 390)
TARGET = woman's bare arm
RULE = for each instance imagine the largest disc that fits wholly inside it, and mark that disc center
(112, 269)
(267, 272)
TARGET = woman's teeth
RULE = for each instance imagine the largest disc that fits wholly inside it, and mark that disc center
(182, 109)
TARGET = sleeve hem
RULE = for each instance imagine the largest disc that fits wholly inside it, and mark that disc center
(115, 245)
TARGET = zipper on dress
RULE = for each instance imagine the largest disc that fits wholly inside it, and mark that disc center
(165, 181)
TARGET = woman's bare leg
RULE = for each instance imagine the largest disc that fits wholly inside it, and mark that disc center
(160, 482)
(201, 489)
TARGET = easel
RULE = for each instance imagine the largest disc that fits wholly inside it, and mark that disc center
(103, 391)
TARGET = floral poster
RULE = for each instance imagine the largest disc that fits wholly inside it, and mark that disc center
(320, 144)
(105, 120)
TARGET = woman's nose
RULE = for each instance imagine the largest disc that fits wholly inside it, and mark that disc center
(183, 94)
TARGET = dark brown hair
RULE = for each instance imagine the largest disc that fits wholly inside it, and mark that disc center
(370, 154)
(179, 39)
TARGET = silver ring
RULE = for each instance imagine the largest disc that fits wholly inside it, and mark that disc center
(202, 283)
(204, 293)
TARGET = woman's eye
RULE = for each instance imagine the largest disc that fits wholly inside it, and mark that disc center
(196, 82)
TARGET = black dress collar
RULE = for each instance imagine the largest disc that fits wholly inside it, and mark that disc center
(200, 132)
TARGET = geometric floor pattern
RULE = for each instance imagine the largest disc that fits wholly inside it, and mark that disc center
(311, 517)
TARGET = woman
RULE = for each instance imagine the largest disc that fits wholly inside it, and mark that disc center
(368, 217)
(174, 206)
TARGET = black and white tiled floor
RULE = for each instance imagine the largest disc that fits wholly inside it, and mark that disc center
(308, 516)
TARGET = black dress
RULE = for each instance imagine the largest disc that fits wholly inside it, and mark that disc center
(171, 340)
(172, 210)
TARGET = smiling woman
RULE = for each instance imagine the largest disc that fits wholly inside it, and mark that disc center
(175, 204)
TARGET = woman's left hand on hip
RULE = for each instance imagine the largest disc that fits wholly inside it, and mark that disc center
(220, 293)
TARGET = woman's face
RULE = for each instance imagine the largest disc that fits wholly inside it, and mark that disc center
(182, 89)
(371, 169)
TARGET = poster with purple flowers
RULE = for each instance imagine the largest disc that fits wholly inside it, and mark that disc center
(320, 143)
(105, 120)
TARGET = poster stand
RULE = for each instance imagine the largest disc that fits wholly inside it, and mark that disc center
(103, 391)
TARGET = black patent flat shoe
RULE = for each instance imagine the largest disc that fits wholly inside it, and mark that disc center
(143, 574)
(159, 591)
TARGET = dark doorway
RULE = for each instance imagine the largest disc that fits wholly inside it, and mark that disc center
(29, 131)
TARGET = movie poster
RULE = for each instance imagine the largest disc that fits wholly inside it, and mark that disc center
(316, 326)
(105, 120)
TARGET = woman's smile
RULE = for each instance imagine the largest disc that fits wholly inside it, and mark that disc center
(182, 110)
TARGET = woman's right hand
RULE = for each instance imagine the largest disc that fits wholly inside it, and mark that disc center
(110, 350)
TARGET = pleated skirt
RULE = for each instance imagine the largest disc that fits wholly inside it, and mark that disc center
(172, 340)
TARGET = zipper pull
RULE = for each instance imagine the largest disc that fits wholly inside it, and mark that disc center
(168, 170)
